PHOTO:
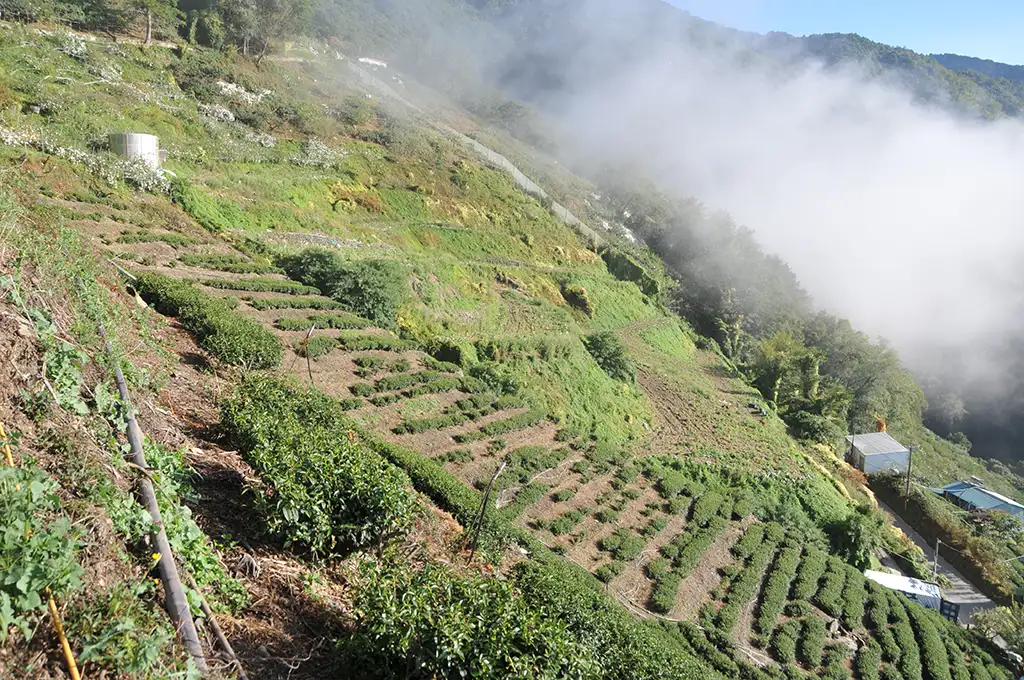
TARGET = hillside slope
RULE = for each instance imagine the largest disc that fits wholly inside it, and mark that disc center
(346, 323)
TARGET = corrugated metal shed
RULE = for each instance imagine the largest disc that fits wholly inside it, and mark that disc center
(875, 442)
(926, 593)
(980, 498)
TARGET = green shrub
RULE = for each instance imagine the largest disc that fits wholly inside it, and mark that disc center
(829, 596)
(576, 296)
(316, 346)
(441, 366)
(425, 424)
(565, 523)
(606, 515)
(706, 507)
(853, 599)
(370, 362)
(374, 289)
(351, 404)
(932, 649)
(385, 399)
(293, 302)
(362, 389)
(784, 642)
(340, 321)
(812, 640)
(745, 586)
(610, 354)
(261, 285)
(626, 649)
(399, 366)
(606, 572)
(834, 663)
(798, 609)
(686, 549)
(624, 545)
(776, 589)
(448, 626)
(563, 495)
(749, 542)
(225, 333)
(365, 342)
(868, 661)
(525, 497)
(663, 595)
(290, 438)
(38, 547)
(146, 236)
(438, 386)
(228, 263)
(517, 422)
(910, 654)
(658, 568)
(812, 566)
(400, 381)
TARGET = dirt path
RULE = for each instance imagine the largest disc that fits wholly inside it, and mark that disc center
(696, 587)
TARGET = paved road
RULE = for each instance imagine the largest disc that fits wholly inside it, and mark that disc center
(962, 592)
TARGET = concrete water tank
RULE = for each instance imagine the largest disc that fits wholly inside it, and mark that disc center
(132, 145)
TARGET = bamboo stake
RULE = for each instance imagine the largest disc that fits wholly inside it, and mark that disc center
(7, 446)
(218, 632)
(174, 593)
(69, 656)
(64, 644)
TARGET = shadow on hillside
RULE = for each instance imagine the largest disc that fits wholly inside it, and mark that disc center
(286, 631)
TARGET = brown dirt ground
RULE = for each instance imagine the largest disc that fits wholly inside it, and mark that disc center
(633, 583)
(696, 587)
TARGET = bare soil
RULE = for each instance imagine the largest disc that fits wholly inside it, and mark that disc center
(696, 588)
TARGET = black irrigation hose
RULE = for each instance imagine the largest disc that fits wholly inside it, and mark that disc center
(174, 593)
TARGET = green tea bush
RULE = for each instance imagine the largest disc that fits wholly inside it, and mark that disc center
(776, 589)
(812, 640)
(525, 462)
(260, 285)
(745, 586)
(446, 384)
(932, 649)
(877, 607)
(426, 424)
(225, 333)
(38, 547)
(784, 642)
(441, 366)
(903, 632)
(606, 572)
(445, 625)
(749, 542)
(341, 321)
(399, 366)
(365, 342)
(624, 545)
(606, 515)
(498, 427)
(626, 648)
(373, 289)
(525, 497)
(385, 399)
(146, 236)
(658, 568)
(315, 347)
(293, 302)
(294, 438)
(812, 566)
(610, 354)
(362, 389)
(228, 263)
(798, 609)
(370, 362)
(686, 549)
(868, 662)
(400, 381)
(563, 495)
(706, 507)
(455, 456)
(830, 594)
(663, 595)
(565, 523)
(834, 663)
(853, 599)
(351, 404)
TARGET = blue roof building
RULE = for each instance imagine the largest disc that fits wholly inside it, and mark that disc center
(972, 495)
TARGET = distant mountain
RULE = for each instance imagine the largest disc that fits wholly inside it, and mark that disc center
(986, 67)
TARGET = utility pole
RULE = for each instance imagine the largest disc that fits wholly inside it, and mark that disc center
(910, 465)
(935, 565)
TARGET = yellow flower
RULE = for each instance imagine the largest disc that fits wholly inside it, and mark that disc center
(156, 557)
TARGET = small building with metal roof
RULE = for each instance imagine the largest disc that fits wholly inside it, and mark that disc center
(928, 594)
(972, 495)
(875, 452)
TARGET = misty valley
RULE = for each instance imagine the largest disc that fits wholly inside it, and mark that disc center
(505, 339)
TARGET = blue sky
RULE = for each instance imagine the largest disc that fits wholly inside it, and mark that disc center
(990, 29)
